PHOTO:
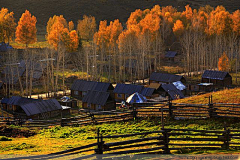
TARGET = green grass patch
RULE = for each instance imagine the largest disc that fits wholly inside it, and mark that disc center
(61, 138)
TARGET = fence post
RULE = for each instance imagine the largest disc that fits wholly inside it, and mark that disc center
(170, 109)
(100, 143)
(134, 111)
(162, 120)
(226, 138)
(211, 109)
(165, 141)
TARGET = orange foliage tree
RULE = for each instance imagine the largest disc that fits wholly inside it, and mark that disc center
(236, 22)
(220, 21)
(58, 31)
(86, 27)
(178, 27)
(223, 63)
(26, 31)
(7, 25)
(70, 25)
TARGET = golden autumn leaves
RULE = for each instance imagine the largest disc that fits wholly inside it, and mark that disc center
(26, 31)
(223, 63)
(58, 30)
(211, 21)
(141, 22)
(7, 25)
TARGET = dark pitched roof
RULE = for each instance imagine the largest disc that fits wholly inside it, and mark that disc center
(101, 86)
(170, 54)
(165, 77)
(83, 85)
(215, 74)
(127, 88)
(5, 100)
(41, 107)
(147, 92)
(172, 91)
(17, 100)
(96, 97)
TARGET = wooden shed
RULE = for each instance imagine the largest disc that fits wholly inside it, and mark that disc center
(43, 109)
(123, 91)
(218, 78)
(167, 78)
(98, 100)
(80, 87)
(170, 55)
(171, 91)
(32, 108)
(15, 102)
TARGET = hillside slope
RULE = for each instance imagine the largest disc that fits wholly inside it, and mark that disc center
(101, 9)
(225, 96)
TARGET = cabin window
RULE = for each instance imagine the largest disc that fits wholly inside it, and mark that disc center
(75, 92)
(84, 93)
(89, 105)
(119, 95)
(99, 107)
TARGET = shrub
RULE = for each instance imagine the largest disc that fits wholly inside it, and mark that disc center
(5, 139)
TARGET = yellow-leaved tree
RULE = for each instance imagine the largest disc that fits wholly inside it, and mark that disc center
(7, 25)
(223, 63)
(26, 31)
(58, 31)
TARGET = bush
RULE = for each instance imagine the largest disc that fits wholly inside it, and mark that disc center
(5, 139)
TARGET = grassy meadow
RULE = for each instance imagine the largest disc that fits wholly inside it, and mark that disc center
(58, 138)
(224, 96)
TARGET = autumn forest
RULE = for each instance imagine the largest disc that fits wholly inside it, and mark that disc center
(133, 50)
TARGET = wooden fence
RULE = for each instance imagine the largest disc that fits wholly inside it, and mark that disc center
(184, 110)
(140, 110)
(97, 118)
(166, 141)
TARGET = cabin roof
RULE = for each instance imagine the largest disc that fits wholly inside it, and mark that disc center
(41, 107)
(170, 54)
(96, 97)
(165, 77)
(219, 75)
(18, 101)
(147, 92)
(127, 88)
(172, 91)
(83, 85)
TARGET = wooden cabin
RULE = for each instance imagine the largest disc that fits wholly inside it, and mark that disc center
(32, 108)
(167, 78)
(44, 109)
(98, 100)
(4, 102)
(15, 102)
(123, 91)
(80, 88)
(171, 91)
(170, 55)
(218, 78)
